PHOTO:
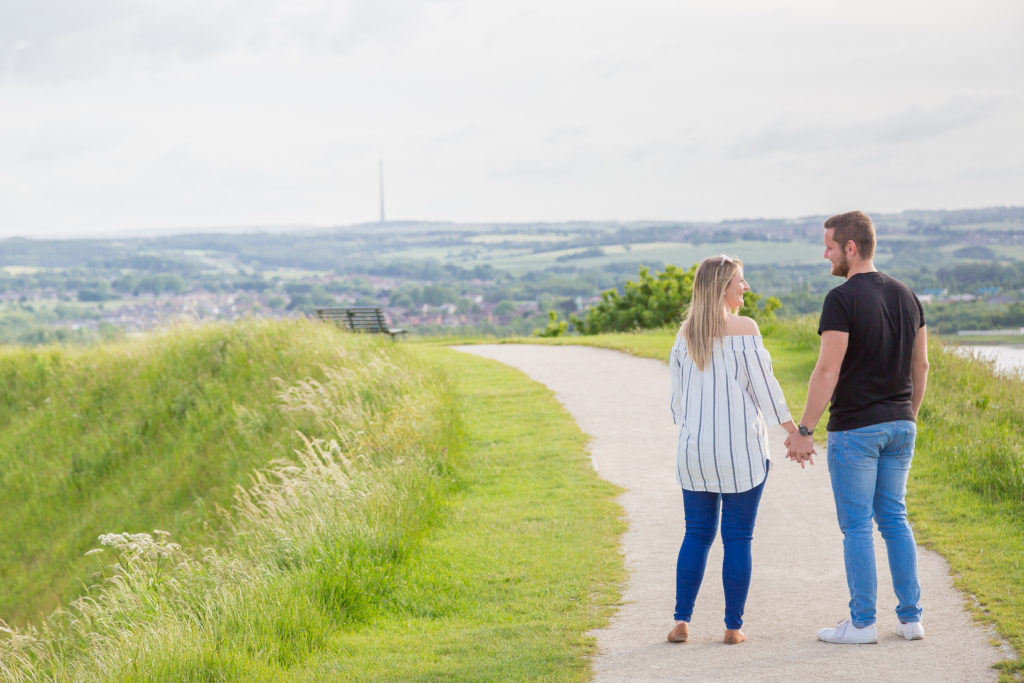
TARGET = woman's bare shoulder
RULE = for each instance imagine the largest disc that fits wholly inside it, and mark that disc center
(741, 324)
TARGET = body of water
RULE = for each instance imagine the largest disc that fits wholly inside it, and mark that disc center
(1008, 359)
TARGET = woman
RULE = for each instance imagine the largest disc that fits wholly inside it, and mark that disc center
(723, 396)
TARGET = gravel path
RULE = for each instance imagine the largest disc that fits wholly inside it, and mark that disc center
(799, 584)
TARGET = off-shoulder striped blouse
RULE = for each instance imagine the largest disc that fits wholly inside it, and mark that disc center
(723, 413)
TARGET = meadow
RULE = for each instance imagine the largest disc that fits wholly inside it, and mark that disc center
(150, 433)
(281, 501)
(785, 253)
(270, 501)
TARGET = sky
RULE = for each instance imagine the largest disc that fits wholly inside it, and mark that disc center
(141, 115)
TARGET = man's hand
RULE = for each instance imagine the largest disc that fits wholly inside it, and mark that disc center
(800, 449)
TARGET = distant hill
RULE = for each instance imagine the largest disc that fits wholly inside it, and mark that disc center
(347, 247)
(440, 278)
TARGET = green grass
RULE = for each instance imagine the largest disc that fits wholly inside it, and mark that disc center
(441, 520)
(983, 339)
(526, 563)
(797, 252)
(967, 488)
(644, 343)
(523, 237)
(793, 344)
(151, 433)
(311, 544)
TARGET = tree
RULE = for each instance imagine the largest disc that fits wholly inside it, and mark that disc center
(759, 311)
(401, 299)
(99, 291)
(555, 327)
(651, 301)
(435, 295)
(299, 301)
(321, 297)
(505, 307)
(656, 301)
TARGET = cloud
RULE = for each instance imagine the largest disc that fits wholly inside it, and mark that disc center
(148, 112)
(86, 39)
(914, 124)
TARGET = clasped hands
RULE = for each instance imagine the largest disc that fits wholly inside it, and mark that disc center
(800, 449)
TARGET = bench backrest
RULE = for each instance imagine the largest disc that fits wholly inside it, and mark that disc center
(356, 318)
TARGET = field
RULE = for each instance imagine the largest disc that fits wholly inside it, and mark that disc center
(385, 489)
(752, 253)
(281, 501)
(154, 433)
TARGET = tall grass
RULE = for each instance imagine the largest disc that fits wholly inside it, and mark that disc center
(522, 565)
(979, 428)
(149, 433)
(311, 542)
(966, 493)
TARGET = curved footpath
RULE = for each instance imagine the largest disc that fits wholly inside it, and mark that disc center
(799, 585)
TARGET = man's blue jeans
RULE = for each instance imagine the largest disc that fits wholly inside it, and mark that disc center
(739, 511)
(869, 468)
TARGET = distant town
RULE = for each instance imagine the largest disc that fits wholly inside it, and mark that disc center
(492, 279)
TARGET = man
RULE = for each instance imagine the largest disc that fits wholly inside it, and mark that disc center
(873, 366)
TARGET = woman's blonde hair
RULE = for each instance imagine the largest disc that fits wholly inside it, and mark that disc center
(705, 319)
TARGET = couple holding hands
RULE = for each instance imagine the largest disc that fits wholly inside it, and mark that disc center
(871, 372)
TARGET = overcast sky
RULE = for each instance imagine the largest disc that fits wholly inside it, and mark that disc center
(125, 115)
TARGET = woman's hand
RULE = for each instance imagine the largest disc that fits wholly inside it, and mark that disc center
(800, 449)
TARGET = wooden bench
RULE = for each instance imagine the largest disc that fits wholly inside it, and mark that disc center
(359, 319)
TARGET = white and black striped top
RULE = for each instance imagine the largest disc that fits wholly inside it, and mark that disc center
(722, 413)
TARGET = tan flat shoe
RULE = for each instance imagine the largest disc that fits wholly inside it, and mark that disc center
(680, 633)
(733, 636)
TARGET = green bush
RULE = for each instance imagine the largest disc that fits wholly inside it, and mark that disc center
(656, 300)
(555, 327)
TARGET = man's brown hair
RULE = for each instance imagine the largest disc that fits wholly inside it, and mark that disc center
(856, 226)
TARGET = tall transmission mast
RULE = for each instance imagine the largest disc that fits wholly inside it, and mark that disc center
(382, 216)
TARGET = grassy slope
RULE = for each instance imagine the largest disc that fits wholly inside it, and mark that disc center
(151, 433)
(526, 562)
(420, 580)
(438, 529)
(966, 490)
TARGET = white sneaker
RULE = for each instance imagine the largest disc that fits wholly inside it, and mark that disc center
(912, 630)
(846, 632)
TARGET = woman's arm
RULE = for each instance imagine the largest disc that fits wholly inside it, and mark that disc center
(763, 386)
(675, 370)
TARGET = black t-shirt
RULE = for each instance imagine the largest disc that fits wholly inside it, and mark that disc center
(882, 317)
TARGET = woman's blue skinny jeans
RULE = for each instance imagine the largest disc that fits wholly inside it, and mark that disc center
(739, 510)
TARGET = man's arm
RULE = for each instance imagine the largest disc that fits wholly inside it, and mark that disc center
(825, 375)
(821, 386)
(919, 368)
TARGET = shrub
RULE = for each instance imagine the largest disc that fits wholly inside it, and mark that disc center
(555, 327)
(656, 300)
